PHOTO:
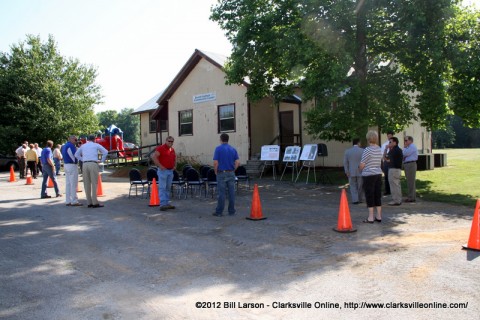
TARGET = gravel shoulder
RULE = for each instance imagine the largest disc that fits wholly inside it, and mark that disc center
(131, 261)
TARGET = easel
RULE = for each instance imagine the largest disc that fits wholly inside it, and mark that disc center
(269, 155)
(290, 158)
(292, 165)
(269, 163)
(308, 156)
(307, 164)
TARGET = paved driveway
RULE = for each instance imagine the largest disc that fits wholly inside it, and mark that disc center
(131, 261)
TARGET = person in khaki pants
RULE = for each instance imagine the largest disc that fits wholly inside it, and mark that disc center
(395, 159)
(88, 153)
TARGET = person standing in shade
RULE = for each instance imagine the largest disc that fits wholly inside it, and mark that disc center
(22, 164)
(410, 157)
(71, 171)
(385, 164)
(32, 160)
(48, 168)
(225, 162)
(57, 159)
(371, 167)
(165, 159)
(394, 160)
(39, 154)
(351, 161)
(88, 153)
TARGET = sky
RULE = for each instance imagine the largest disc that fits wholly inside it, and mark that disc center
(137, 46)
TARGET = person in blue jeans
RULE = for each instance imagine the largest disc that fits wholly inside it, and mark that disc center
(225, 161)
(165, 159)
(48, 168)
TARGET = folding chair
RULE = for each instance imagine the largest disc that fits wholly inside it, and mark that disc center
(193, 180)
(177, 183)
(136, 180)
(151, 173)
(241, 175)
(211, 182)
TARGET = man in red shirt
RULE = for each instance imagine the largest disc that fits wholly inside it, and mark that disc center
(165, 159)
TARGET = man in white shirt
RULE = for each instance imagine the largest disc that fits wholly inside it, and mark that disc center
(88, 154)
(21, 151)
(39, 154)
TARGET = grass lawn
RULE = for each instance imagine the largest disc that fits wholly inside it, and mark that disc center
(458, 182)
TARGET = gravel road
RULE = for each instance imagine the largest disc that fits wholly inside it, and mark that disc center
(131, 261)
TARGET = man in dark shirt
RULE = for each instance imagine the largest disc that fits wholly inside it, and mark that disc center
(395, 159)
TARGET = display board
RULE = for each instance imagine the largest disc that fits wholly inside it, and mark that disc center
(309, 152)
(292, 154)
(270, 153)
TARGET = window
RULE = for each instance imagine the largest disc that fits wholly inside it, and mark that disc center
(226, 118)
(185, 119)
(153, 123)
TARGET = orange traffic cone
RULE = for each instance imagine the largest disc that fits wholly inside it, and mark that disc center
(49, 183)
(256, 210)
(344, 220)
(29, 177)
(474, 240)
(99, 186)
(12, 175)
(154, 199)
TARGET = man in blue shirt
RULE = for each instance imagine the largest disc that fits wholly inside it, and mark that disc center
(48, 168)
(225, 162)
(71, 171)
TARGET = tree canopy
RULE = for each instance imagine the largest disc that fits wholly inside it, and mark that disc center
(43, 95)
(364, 63)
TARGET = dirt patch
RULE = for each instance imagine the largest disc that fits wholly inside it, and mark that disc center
(124, 171)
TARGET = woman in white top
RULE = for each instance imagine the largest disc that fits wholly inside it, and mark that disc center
(371, 166)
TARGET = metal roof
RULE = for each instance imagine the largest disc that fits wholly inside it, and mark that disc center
(149, 105)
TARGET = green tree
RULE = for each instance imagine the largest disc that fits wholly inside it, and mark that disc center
(44, 96)
(360, 61)
(129, 124)
(463, 51)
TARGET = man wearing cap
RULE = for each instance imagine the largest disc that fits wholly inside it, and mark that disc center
(88, 153)
(410, 157)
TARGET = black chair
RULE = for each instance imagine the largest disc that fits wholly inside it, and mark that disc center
(204, 171)
(211, 182)
(184, 170)
(322, 153)
(178, 184)
(136, 180)
(241, 175)
(193, 181)
(151, 174)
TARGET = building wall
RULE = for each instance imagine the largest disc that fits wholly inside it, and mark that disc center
(207, 78)
(263, 127)
(147, 138)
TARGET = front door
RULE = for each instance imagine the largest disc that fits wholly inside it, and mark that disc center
(286, 129)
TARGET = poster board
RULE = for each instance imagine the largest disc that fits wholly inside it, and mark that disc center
(292, 154)
(309, 152)
(270, 153)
